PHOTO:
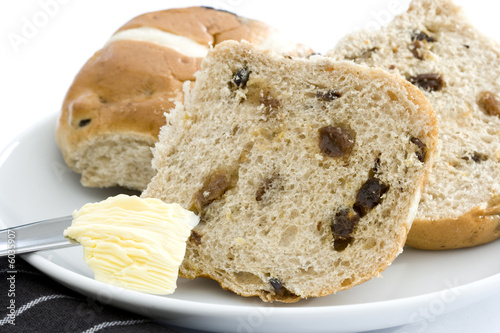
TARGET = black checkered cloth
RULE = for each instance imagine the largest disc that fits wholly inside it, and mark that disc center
(32, 302)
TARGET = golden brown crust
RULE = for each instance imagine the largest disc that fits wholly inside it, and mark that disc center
(478, 226)
(250, 30)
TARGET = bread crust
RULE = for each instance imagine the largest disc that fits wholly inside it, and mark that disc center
(478, 226)
(128, 86)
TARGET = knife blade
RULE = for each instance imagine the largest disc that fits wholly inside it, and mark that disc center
(36, 236)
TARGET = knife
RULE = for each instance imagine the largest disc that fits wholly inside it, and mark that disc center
(42, 235)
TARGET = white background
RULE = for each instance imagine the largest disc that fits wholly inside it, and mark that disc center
(42, 47)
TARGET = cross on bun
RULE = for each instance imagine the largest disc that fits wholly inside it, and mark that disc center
(306, 173)
(113, 111)
(435, 47)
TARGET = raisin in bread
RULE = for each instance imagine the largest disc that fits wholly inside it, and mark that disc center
(306, 173)
(113, 111)
(458, 69)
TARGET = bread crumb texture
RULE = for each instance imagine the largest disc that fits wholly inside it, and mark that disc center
(305, 172)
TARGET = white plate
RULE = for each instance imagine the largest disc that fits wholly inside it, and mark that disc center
(36, 184)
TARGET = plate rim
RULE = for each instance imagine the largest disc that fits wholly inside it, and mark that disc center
(38, 261)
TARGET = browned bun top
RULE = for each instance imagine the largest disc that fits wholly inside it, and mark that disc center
(128, 85)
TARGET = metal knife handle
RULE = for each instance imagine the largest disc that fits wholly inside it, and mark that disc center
(42, 235)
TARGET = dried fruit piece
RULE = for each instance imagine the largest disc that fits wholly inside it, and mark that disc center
(335, 141)
(428, 81)
(213, 187)
(328, 95)
(489, 103)
(419, 42)
(195, 237)
(363, 55)
(369, 196)
(319, 225)
(343, 225)
(479, 157)
(313, 54)
(421, 151)
(84, 122)
(376, 165)
(476, 157)
(281, 293)
(414, 48)
(270, 103)
(344, 222)
(265, 186)
(276, 283)
(240, 78)
(420, 36)
(340, 244)
(376, 168)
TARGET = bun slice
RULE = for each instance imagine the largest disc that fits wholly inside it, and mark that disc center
(435, 47)
(306, 173)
